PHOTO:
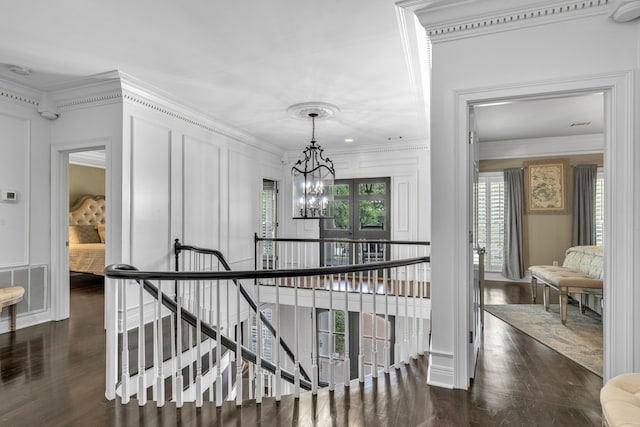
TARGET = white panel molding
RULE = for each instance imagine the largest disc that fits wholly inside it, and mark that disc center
(441, 372)
(141, 148)
(403, 205)
(554, 146)
(445, 23)
(16, 215)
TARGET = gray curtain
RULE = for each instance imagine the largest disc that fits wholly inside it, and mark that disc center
(584, 210)
(513, 260)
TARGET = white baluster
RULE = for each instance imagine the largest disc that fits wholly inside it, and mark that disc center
(199, 391)
(387, 351)
(414, 340)
(296, 371)
(179, 396)
(125, 343)
(142, 389)
(218, 347)
(159, 384)
(331, 341)
(397, 346)
(276, 337)
(347, 336)
(314, 338)
(238, 351)
(361, 334)
(405, 349)
(258, 372)
(374, 326)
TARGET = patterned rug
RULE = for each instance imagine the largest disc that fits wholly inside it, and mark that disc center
(580, 339)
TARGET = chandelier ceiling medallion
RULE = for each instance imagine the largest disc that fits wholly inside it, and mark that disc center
(313, 175)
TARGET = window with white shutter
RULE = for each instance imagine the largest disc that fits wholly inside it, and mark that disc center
(599, 216)
(491, 218)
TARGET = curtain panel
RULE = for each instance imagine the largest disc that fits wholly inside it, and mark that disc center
(584, 202)
(513, 260)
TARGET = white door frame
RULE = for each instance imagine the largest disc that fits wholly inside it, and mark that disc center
(620, 257)
(60, 217)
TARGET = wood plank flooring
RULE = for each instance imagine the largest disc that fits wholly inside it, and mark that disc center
(53, 375)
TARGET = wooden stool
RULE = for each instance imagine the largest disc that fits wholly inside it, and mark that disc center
(10, 297)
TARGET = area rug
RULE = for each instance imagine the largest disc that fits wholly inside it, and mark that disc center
(580, 339)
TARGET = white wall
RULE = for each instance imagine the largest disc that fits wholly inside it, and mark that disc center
(24, 223)
(551, 53)
(408, 167)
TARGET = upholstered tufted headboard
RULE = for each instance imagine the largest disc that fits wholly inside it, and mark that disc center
(88, 210)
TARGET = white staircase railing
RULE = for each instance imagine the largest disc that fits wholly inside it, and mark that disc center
(195, 334)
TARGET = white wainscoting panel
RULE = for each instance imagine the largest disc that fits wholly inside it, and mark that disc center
(14, 177)
(150, 195)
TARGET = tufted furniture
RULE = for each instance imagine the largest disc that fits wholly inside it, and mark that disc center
(87, 235)
(620, 400)
(88, 210)
(10, 297)
(581, 272)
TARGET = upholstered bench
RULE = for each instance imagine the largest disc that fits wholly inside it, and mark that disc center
(581, 272)
(9, 297)
(620, 400)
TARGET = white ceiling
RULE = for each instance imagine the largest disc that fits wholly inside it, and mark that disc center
(570, 115)
(244, 62)
(240, 62)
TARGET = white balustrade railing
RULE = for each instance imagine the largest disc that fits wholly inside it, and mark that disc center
(195, 334)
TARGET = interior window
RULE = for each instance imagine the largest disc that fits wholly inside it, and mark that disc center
(491, 218)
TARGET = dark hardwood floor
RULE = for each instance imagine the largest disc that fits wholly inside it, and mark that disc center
(53, 375)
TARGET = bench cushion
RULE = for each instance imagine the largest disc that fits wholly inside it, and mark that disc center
(10, 295)
(620, 399)
(564, 276)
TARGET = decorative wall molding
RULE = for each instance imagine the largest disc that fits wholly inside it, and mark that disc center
(445, 23)
(364, 149)
(100, 99)
(19, 95)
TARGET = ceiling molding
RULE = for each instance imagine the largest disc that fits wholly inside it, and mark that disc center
(542, 147)
(366, 149)
(95, 159)
(449, 22)
(13, 92)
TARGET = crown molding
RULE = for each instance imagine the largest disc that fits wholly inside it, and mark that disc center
(445, 21)
(18, 94)
(366, 149)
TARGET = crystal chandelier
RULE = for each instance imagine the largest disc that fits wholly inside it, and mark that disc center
(313, 178)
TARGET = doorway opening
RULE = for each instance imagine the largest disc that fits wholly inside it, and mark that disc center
(87, 222)
(361, 212)
(512, 134)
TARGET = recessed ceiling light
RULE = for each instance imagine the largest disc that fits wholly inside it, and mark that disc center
(348, 140)
(579, 124)
(21, 71)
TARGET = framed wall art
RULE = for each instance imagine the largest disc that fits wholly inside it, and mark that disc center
(546, 186)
